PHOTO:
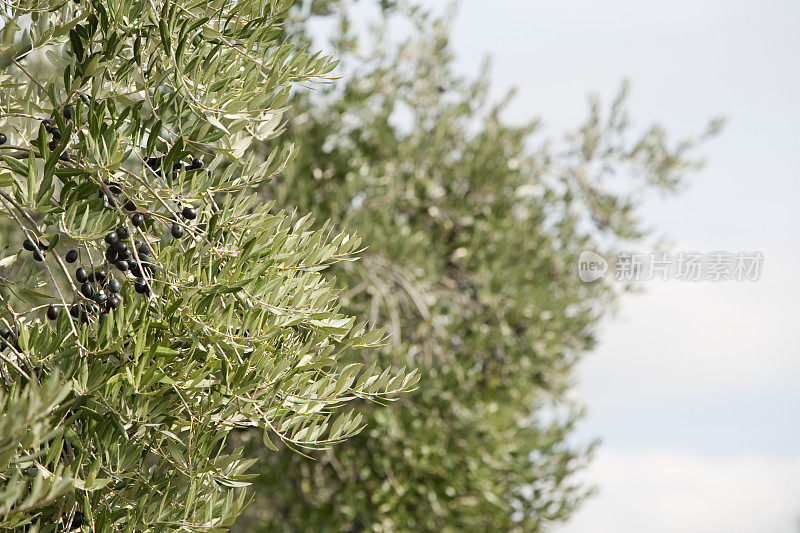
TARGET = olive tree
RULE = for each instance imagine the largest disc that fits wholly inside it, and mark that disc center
(474, 226)
(150, 303)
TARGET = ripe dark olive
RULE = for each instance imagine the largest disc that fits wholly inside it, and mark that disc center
(111, 255)
(112, 237)
(52, 312)
(122, 232)
(64, 156)
(114, 300)
(137, 219)
(114, 285)
(177, 231)
(135, 270)
(101, 297)
(124, 255)
(77, 519)
(81, 275)
(3, 138)
(120, 247)
(56, 133)
(38, 255)
(140, 286)
(114, 187)
(196, 164)
(75, 310)
(189, 213)
(28, 245)
(100, 275)
(47, 125)
(130, 206)
(154, 162)
(72, 256)
(52, 144)
(144, 250)
(87, 290)
(5, 333)
(122, 264)
(67, 111)
(91, 277)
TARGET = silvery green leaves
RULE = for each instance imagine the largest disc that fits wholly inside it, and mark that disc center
(188, 309)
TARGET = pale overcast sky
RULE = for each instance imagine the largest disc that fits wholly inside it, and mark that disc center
(694, 387)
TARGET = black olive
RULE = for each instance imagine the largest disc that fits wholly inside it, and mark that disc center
(77, 519)
(5, 333)
(130, 206)
(56, 133)
(114, 300)
(67, 112)
(114, 187)
(75, 310)
(81, 275)
(38, 255)
(137, 219)
(100, 297)
(120, 247)
(100, 275)
(3, 138)
(122, 232)
(72, 256)
(87, 290)
(114, 285)
(140, 286)
(112, 237)
(28, 245)
(189, 213)
(47, 125)
(144, 249)
(196, 164)
(52, 312)
(122, 264)
(111, 255)
(177, 231)
(64, 156)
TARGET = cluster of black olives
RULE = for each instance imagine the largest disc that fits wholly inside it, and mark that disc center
(55, 133)
(38, 248)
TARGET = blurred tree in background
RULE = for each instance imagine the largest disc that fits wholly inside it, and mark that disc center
(473, 227)
(149, 304)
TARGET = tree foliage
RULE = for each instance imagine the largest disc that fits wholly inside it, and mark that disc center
(474, 226)
(127, 126)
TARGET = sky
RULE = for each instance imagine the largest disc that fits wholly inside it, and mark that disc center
(693, 388)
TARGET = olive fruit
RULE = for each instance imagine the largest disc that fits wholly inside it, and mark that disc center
(3, 138)
(130, 206)
(72, 256)
(111, 255)
(114, 187)
(114, 285)
(100, 276)
(112, 237)
(56, 133)
(81, 275)
(189, 213)
(137, 219)
(52, 312)
(47, 125)
(120, 247)
(114, 300)
(75, 310)
(87, 290)
(28, 245)
(67, 112)
(122, 232)
(64, 156)
(140, 286)
(177, 231)
(122, 264)
(100, 297)
(196, 164)
(77, 519)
